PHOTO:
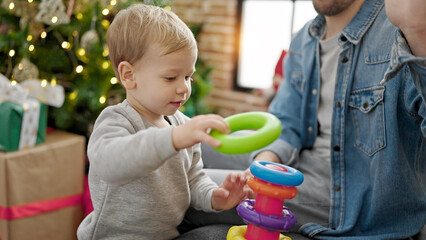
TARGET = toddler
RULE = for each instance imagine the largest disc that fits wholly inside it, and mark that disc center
(145, 160)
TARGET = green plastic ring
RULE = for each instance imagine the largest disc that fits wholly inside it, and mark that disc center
(267, 126)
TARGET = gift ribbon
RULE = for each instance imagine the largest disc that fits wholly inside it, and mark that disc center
(37, 208)
(29, 126)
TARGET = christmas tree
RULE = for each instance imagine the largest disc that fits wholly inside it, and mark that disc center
(64, 42)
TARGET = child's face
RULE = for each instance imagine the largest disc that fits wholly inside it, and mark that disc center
(163, 82)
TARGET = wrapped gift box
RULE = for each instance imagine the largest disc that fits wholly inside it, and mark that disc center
(16, 135)
(41, 189)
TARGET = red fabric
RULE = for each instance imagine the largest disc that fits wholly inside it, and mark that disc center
(36, 208)
(279, 67)
(87, 201)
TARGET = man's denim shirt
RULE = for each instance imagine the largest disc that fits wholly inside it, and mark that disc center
(378, 143)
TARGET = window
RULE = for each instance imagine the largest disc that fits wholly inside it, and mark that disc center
(266, 27)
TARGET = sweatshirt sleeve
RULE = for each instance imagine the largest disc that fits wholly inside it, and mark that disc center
(118, 153)
(201, 185)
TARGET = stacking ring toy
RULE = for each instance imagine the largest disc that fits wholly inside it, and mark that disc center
(267, 126)
(269, 222)
(272, 190)
(267, 217)
(288, 176)
(238, 232)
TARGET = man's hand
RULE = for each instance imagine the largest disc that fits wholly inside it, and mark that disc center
(410, 17)
(196, 131)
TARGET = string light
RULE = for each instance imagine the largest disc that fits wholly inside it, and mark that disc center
(31, 48)
(105, 23)
(12, 52)
(79, 16)
(53, 82)
(102, 99)
(105, 53)
(113, 2)
(105, 11)
(30, 1)
(11, 5)
(13, 82)
(81, 52)
(105, 64)
(79, 69)
(73, 95)
(66, 45)
(43, 83)
(114, 80)
(43, 34)
(29, 38)
(20, 66)
(54, 19)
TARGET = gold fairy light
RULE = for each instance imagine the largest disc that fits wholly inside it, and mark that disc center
(43, 83)
(113, 80)
(53, 82)
(31, 48)
(66, 45)
(105, 12)
(29, 38)
(113, 2)
(102, 99)
(30, 1)
(79, 69)
(13, 82)
(43, 34)
(54, 19)
(11, 5)
(105, 53)
(73, 95)
(105, 23)
(105, 64)
(79, 16)
(81, 52)
(12, 52)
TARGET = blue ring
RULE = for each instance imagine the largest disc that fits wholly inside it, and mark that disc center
(269, 222)
(291, 178)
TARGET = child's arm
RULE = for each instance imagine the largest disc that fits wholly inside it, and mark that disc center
(231, 192)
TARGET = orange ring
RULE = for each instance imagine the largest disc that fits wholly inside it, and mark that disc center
(271, 190)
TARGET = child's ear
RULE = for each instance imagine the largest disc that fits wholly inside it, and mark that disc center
(125, 69)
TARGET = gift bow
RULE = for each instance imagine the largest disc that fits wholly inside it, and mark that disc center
(19, 93)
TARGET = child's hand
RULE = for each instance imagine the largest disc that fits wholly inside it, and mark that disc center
(231, 192)
(195, 131)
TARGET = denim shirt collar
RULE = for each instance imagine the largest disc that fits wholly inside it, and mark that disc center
(358, 26)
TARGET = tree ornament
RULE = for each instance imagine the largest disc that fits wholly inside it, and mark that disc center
(52, 12)
(88, 38)
(25, 70)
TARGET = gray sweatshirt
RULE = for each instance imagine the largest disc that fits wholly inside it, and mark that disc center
(140, 185)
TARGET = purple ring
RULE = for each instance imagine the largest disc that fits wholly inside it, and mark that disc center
(269, 222)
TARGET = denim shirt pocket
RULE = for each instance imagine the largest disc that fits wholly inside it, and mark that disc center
(367, 111)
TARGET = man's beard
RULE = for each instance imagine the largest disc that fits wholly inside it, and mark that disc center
(331, 7)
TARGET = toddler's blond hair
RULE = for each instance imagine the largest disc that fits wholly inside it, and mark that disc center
(134, 29)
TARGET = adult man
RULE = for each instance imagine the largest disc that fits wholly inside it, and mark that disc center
(353, 108)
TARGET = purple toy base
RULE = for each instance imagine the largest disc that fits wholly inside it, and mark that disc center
(269, 222)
